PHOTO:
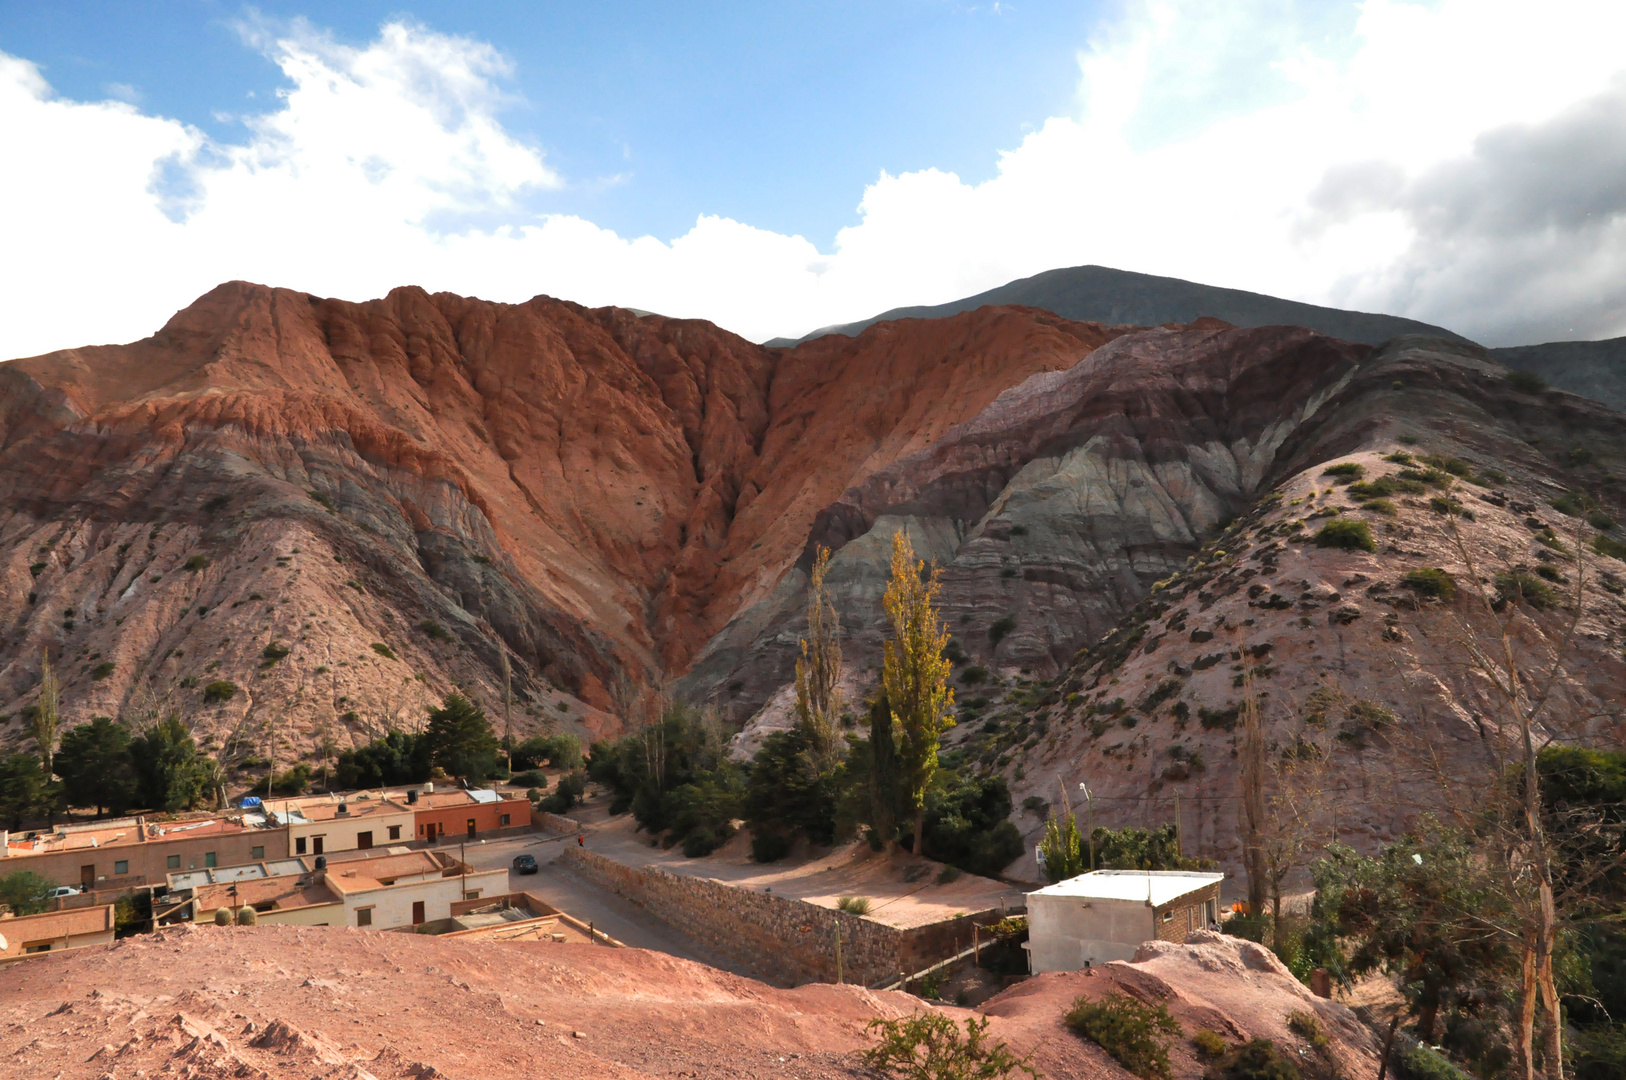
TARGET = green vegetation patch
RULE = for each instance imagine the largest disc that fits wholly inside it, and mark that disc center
(434, 630)
(1430, 581)
(102, 670)
(1609, 547)
(221, 690)
(1516, 585)
(1136, 1035)
(1346, 534)
(1527, 382)
(383, 650)
(1345, 472)
(195, 563)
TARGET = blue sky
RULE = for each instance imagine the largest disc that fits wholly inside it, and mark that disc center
(778, 167)
(777, 114)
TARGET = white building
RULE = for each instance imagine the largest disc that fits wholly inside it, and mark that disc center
(1106, 914)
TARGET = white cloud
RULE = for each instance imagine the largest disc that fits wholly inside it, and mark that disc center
(1458, 162)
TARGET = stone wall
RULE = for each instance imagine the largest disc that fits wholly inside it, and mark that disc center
(790, 940)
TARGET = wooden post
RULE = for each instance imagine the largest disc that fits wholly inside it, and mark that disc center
(838, 952)
(976, 952)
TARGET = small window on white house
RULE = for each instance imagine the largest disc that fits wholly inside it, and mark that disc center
(1168, 916)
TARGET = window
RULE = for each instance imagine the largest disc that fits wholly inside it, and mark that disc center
(395, 832)
(43, 946)
(209, 859)
(299, 845)
(472, 895)
(257, 852)
(1168, 916)
(503, 820)
(121, 866)
(364, 916)
(173, 862)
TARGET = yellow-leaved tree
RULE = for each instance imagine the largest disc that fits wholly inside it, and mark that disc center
(916, 675)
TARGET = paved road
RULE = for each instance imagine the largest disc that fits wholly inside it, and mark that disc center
(615, 915)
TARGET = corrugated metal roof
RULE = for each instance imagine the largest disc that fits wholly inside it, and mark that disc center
(1157, 886)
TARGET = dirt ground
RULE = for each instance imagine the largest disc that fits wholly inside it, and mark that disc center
(339, 1003)
(903, 891)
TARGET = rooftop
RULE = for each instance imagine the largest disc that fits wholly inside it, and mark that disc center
(346, 872)
(1157, 886)
(54, 926)
(125, 831)
(329, 811)
(274, 893)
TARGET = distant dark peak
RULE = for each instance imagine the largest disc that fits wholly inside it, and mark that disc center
(1118, 297)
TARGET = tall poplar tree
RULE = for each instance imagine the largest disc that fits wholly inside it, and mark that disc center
(916, 674)
(47, 714)
(818, 671)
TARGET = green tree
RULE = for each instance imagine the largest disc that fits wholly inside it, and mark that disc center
(397, 757)
(1063, 849)
(47, 714)
(788, 790)
(24, 793)
(26, 892)
(169, 773)
(94, 763)
(460, 739)
(915, 674)
(886, 807)
(1142, 849)
(818, 670)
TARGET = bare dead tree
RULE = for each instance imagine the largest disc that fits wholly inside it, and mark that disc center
(1251, 806)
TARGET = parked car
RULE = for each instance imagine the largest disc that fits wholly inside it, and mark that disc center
(524, 864)
(66, 890)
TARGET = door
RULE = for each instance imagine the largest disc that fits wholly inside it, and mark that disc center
(471, 828)
(417, 913)
(87, 875)
(364, 840)
(316, 845)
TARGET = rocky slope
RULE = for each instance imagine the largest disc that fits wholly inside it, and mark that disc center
(283, 1001)
(389, 489)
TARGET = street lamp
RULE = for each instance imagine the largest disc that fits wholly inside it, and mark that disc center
(1089, 837)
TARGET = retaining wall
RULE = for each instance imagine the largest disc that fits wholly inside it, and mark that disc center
(791, 940)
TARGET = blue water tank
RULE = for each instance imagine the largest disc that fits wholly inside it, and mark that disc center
(250, 802)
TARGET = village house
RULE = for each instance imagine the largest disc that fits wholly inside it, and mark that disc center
(1106, 915)
(452, 814)
(126, 853)
(28, 935)
(323, 824)
(382, 888)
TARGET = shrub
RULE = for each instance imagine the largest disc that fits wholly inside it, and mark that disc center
(974, 674)
(1450, 507)
(1345, 471)
(1517, 585)
(219, 691)
(1552, 574)
(102, 670)
(1000, 628)
(1385, 486)
(1600, 520)
(700, 842)
(854, 905)
(1347, 534)
(383, 650)
(1307, 1026)
(1430, 582)
(1567, 504)
(1614, 549)
(1527, 382)
(217, 503)
(1218, 719)
(569, 792)
(768, 847)
(195, 563)
(26, 892)
(949, 874)
(296, 781)
(530, 778)
(273, 652)
(1255, 1060)
(562, 751)
(323, 498)
(1210, 1044)
(1420, 1063)
(1380, 506)
(1136, 1035)
(929, 1044)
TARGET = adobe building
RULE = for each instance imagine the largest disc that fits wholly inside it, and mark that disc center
(350, 822)
(1106, 914)
(459, 814)
(127, 853)
(383, 888)
(30, 935)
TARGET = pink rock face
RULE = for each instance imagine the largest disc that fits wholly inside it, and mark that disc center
(601, 491)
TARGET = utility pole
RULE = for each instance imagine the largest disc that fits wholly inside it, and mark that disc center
(1089, 837)
(1179, 851)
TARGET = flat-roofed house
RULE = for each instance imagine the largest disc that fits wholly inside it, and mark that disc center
(1107, 914)
(28, 935)
(459, 814)
(330, 823)
(130, 852)
(382, 888)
